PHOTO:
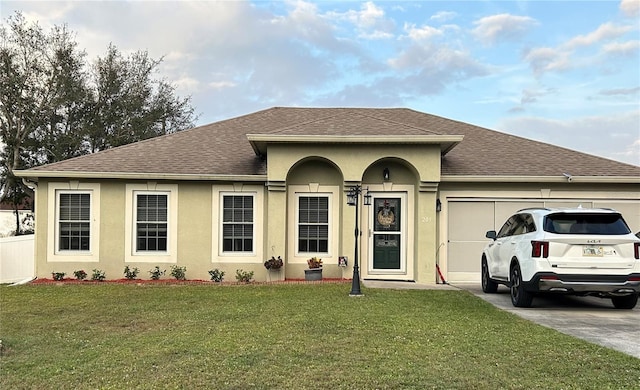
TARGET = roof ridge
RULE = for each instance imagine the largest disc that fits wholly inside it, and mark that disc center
(400, 123)
(283, 129)
(360, 111)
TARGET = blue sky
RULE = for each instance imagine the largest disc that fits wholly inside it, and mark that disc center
(562, 72)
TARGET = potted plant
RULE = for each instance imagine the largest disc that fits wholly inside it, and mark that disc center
(274, 264)
(315, 269)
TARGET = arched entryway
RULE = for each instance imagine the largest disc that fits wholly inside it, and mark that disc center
(388, 222)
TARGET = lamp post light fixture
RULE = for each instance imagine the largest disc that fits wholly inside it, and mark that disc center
(353, 200)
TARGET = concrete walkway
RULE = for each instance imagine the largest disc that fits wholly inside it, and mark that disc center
(588, 318)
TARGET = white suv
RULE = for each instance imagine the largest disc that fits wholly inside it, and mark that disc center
(569, 251)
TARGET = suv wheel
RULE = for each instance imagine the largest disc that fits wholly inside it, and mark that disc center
(488, 285)
(519, 297)
(625, 302)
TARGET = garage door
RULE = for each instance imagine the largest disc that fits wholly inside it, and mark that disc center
(468, 222)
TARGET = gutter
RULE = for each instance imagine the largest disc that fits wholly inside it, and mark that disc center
(540, 179)
(36, 174)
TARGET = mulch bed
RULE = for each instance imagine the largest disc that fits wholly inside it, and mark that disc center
(140, 282)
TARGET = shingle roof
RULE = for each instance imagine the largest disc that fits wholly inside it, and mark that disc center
(222, 148)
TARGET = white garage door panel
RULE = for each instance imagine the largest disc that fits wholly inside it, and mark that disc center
(468, 224)
(469, 221)
(467, 257)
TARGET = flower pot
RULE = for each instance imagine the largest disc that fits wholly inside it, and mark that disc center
(313, 274)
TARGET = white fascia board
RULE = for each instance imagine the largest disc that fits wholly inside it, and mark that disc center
(541, 179)
(138, 176)
(259, 141)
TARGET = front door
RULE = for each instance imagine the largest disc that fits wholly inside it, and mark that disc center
(387, 235)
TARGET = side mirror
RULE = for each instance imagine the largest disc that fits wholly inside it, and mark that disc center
(491, 234)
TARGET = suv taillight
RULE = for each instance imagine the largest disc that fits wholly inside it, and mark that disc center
(539, 249)
(636, 250)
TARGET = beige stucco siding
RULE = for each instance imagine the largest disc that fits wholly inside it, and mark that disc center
(194, 227)
(112, 227)
(353, 160)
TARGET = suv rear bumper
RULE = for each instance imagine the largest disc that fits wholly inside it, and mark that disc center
(584, 284)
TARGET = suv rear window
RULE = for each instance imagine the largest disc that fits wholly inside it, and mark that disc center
(584, 223)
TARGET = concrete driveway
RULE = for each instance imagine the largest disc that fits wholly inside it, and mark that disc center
(588, 318)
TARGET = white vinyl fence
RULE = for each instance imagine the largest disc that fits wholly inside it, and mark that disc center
(16, 258)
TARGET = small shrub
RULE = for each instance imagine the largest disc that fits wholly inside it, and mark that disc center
(98, 275)
(80, 275)
(179, 272)
(216, 275)
(130, 273)
(244, 276)
(156, 273)
(314, 262)
(58, 275)
(273, 263)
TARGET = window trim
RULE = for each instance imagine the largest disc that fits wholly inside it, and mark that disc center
(59, 221)
(217, 254)
(313, 189)
(131, 253)
(221, 224)
(54, 254)
(297, 223)
(135, 221)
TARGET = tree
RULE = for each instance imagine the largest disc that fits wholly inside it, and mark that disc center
(54, 105)
(128, 105)
(38, 78)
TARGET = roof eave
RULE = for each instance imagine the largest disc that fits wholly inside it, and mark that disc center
(36, 174)
(259, 142)
(540, 179)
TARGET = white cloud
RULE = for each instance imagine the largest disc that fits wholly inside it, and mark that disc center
(627, 49)
(503, 27)
(568, 56)
(186, 84)
(630, 8)
(545, 59)
(611, 136)
(370, 21)
(604, 32)
(424, 33)
(222, 84)
(620, 91)
(443, 16)
(631, 154)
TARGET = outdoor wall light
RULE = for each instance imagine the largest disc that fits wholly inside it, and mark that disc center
(438, 205)
(352, 197)
(367, 198)
(385, 174)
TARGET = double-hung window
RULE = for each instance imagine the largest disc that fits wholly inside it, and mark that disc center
(313, 224)
(151, 222)
(237, 223)
(74, 221)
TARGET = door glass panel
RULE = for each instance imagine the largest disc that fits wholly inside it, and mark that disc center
(387, 234)
(387, 217)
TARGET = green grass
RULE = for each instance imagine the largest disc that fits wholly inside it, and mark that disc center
(285, 336)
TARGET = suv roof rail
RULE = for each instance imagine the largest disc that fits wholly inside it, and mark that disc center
(534, 208)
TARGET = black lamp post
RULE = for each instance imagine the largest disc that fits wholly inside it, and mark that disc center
(353, 200)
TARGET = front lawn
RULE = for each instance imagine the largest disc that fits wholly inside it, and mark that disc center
(285, 337)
